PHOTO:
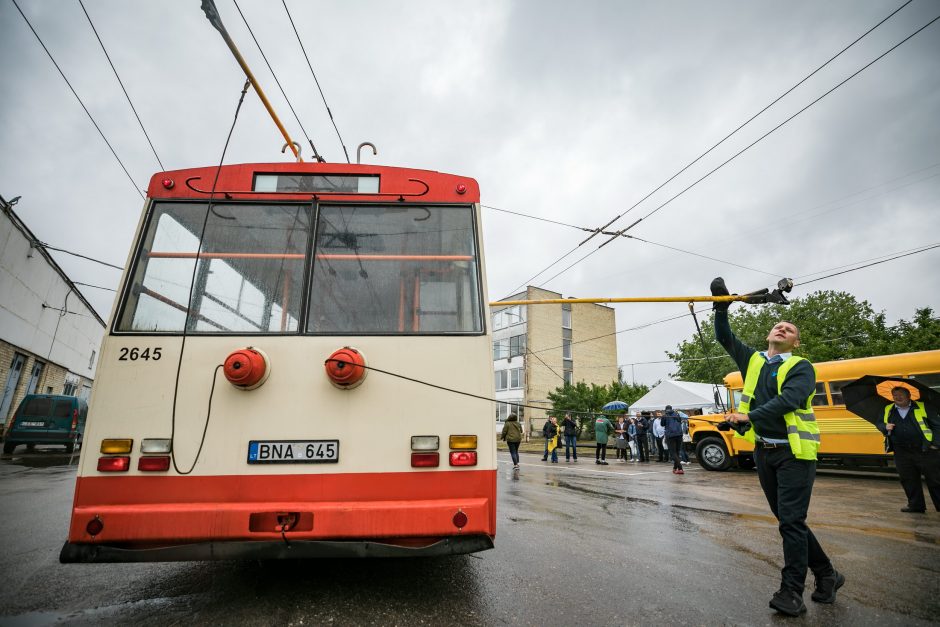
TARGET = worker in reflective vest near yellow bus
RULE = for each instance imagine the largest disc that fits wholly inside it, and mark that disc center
(908, 428)
(776, 415)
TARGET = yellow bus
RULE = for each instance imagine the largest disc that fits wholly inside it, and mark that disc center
(847, 440)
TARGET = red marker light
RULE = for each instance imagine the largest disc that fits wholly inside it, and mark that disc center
(154, 463)
(344, 368)
(168, 183)
(460, 520)
(94, 526)
(461, 188)
(463, 458)
(425, 460)
(114, 464)
(246, 368)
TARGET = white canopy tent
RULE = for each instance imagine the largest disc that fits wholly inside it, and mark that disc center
(680, 394)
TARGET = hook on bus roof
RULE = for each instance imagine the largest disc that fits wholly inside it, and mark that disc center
(296, 145)
(359, 150)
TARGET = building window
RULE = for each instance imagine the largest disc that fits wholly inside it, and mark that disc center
(501, 349)
(566, 316)
(509, 379)
(569, 377)
(516, 378)
(501, 379)
(504, 409)
(516, 345)
(508, 317)
(566, 349)
(567, 364)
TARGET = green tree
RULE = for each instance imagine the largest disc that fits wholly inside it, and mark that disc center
(833, 325)
(589, 399)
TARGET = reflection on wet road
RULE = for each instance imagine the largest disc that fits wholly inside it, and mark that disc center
(576, 544)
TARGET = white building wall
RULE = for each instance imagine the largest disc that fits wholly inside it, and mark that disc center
(27, 282)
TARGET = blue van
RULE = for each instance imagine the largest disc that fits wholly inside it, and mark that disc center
(47, 419)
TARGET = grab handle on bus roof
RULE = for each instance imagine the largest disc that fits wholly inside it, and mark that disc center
(359, 150)
(296, 145)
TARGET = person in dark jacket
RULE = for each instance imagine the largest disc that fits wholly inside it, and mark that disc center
(786, 472)
(571, 437)
(672, 426)
(512, 435)
(906, 425)
(642, 441)
(551, 432)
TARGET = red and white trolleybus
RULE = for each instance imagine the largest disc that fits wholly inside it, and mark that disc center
(235, 412)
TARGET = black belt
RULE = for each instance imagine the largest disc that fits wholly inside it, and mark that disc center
(762, 444)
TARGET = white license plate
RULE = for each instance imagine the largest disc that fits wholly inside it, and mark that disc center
(293, 451)
(32, 424)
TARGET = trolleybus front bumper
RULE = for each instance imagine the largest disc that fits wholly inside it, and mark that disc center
(74, 552)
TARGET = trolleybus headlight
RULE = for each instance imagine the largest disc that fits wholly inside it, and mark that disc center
(463, 458)
(155, 445)
(247, 368)
(114, 464)
(344, 368)
(425, 442)
(463, 441)
(117, 445)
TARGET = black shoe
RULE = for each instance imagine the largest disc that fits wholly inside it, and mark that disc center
(544, 459)
(597, 461)
(603, 463)
(911, 510)
(826, 587)
(788, 602)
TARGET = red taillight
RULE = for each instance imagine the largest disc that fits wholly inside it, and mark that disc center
(460, 520)
(425, 460)
(154, 463)
(74, 419)
(114, 464)
(463, 458)
(94, 526)
(168, 183)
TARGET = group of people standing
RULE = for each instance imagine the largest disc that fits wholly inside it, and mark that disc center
(663, 432)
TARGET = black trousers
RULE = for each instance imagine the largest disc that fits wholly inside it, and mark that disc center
(911, 464)
(661, 449)
(601, 452)
(643, 448)
(788, 485)
(674, 443)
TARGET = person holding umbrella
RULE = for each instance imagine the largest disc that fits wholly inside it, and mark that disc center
(914, 450)
(911, 429)
(776, 415)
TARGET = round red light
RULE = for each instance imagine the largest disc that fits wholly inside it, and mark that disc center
(460, 520)
(461, 188)
(344, 368)
(246, 368)
(94, 526)
(168, 183)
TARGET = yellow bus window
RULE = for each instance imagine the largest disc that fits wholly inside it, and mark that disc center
(820, 398)
(737, 397)
(835, 389)
(930, 379)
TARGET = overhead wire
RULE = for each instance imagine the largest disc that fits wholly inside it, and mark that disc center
(121, 83)
(868, 265)
(316, 80)
(68, 252)
(77, 97)
(729, 135)
(316, 154)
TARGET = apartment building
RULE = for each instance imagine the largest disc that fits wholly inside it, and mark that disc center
(537, 348)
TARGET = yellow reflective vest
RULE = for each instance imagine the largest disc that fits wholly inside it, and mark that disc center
(802, 430)
(920, 417)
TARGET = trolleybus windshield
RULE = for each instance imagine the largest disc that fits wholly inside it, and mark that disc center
(376, 270)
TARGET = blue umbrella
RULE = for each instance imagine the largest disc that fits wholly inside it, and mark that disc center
(615, 406)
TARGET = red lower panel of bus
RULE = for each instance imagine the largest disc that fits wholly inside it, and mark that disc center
(140, 510)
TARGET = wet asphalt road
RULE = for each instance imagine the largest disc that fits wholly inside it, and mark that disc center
(616, 545)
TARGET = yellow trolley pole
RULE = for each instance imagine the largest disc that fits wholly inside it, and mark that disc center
(212, 14)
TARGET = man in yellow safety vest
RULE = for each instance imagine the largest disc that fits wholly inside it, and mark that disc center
(776, 415)
(916, 451)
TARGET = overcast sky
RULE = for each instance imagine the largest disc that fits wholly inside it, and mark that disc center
(567, 111)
